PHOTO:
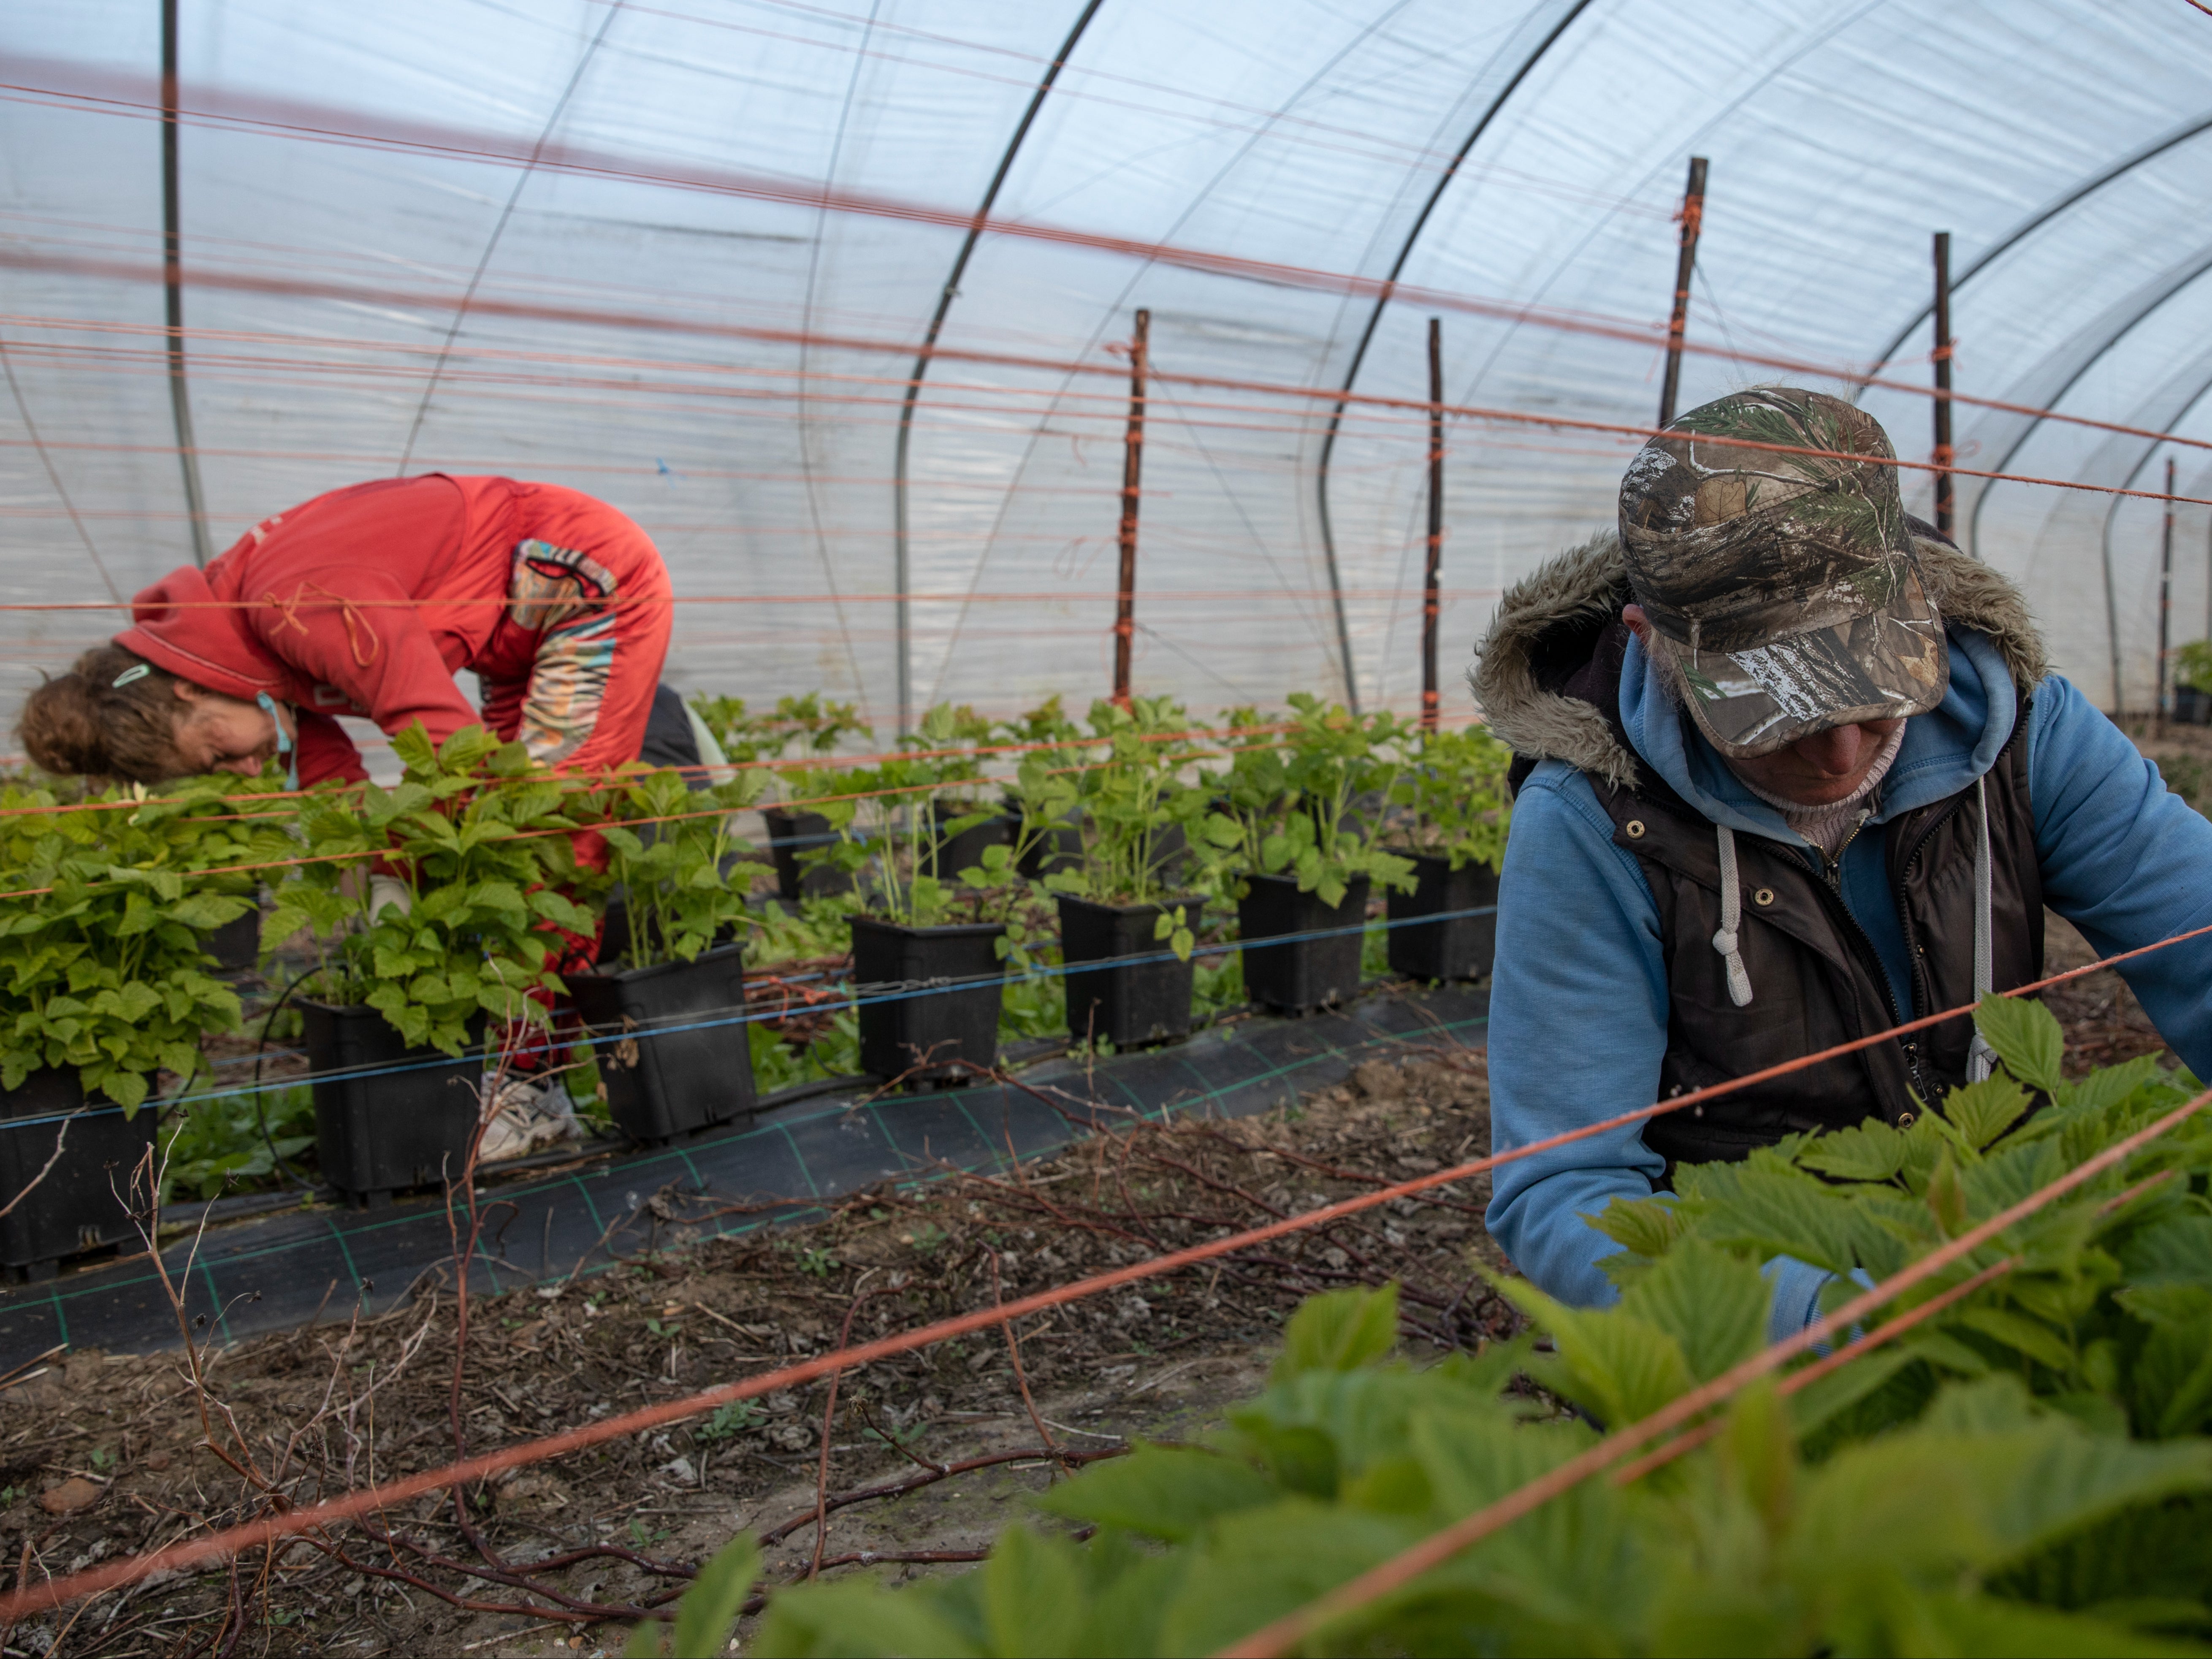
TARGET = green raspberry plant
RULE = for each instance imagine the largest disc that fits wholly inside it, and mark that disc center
(480, 836)
(1450, 801)
(1125, 790)
(1307, 804)
(108, 973)
(668, 849)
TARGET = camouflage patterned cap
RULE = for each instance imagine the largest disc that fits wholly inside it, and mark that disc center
(1787, 581)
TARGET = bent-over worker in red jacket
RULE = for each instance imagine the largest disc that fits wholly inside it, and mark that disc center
(367, 601)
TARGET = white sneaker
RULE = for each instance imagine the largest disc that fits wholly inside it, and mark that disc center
(526, 1117)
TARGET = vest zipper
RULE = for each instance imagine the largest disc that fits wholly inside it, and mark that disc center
(1831, 881)
(1922, 993)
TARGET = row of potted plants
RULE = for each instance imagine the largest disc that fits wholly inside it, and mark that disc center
(430, 922)
(1136, 830)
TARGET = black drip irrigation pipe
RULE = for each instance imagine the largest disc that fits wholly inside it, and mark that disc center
(792, 1161)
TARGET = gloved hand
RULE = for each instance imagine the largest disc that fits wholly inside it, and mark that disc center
(387, 891)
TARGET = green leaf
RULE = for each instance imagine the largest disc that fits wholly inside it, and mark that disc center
(1947, 1196)
(1033, 1599)
(2027, 1037)
(1646, 1226)
(2019, 1332)
(1618, 1365)
(1714, 1305)
(1983, 1111)
(1260, 1564)
(1169, 1493)
(1819, 1402)
(853, 1619)
(1973, 1626)
(708, 1612)
(1869, 1151)
(1338, 1331)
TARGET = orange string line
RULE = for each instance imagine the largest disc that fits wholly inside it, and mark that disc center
(614, 776)
(191, 1554)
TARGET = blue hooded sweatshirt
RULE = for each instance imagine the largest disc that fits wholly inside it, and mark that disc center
(1579, 1004)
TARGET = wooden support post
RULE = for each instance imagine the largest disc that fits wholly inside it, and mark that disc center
(1694, 213)
(1942, 361)
(2165, 591)
(1429, 582)
(1133, 463)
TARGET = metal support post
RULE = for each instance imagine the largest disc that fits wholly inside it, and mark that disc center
(1429, 582)
(1941, 356)
(172, 282)
(1133, 463)
(1694, 213)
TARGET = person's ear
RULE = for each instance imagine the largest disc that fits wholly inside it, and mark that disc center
(1637, 622)
(188, 692)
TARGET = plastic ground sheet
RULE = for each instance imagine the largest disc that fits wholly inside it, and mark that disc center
(286, 1270)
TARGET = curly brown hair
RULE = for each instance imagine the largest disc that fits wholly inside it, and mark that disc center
(84, 724)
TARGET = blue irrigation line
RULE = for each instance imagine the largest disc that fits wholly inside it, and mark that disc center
(901, 995)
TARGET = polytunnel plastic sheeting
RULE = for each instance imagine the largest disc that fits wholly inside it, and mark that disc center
(683, 256)
(289, 1270)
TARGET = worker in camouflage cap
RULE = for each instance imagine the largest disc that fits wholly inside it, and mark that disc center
(1778, 567)
(1794, 784)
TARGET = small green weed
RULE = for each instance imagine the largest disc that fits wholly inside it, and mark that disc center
(729, 1421)
(927, 1239)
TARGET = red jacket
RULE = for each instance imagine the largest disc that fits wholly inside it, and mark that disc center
(317, 606)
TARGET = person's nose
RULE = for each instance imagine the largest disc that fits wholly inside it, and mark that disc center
(244, 767)
(1834, 752)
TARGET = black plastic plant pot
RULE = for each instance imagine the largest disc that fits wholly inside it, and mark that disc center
(80, 1204)
(2192, 706)
(1300, 973)
(1458, 947)
(947, 856)
(616, 940)
(1130, 1003)
(682, 1059)
(409, 1124)
(236, 945)
(789, 836)
(929, 997)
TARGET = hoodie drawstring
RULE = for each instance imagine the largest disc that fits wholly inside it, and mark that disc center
(1739, 982)
(1981, 1059)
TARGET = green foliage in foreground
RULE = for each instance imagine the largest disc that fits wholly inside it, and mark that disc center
(2022, 1473)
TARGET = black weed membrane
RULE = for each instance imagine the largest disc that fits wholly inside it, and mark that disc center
(787, 1165)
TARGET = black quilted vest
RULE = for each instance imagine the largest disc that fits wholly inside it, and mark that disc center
(1816, 979)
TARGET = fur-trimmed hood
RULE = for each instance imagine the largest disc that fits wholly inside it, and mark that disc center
(1550, 622)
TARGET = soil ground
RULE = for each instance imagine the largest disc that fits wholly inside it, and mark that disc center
(928, 1454)
(107, 1454)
